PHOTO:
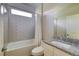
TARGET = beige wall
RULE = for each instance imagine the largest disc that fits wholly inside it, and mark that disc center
(45, 28)
(48, 26)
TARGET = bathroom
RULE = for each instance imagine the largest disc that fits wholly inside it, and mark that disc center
(39, 29)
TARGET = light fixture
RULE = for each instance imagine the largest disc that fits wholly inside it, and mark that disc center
(21, 13)
(3, 9)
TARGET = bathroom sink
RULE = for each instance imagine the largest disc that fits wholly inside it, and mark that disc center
(60, 44)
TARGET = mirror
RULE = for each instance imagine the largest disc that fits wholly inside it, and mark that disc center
(61, 21)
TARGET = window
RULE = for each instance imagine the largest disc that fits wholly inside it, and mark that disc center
(21, 13)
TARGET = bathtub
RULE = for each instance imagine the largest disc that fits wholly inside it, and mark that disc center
(20, 48)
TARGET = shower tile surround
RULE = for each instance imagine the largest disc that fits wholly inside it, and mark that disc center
(17, 29)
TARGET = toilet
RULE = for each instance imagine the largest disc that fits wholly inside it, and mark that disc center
(38, 51)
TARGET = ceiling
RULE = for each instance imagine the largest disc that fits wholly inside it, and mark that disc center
(35, 5)
(60, 8)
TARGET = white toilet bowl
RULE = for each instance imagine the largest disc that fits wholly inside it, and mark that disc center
(38, 51)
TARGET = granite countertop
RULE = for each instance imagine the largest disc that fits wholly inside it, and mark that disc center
(71, 48)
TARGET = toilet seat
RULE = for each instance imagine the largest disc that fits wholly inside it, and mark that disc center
(38, 51)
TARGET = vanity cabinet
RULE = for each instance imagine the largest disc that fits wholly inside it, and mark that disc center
(48, 50)
(1, 54)
(58, 52)
(53, 51)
